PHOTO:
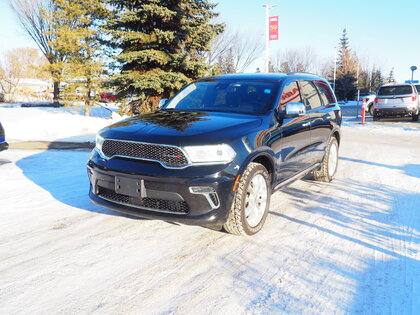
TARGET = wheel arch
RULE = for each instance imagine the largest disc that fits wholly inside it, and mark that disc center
(265, 159)
(336, 134)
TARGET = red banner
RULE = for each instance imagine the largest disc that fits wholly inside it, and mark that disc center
(273, 22)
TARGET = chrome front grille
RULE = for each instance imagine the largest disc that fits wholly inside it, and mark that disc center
(168, 156)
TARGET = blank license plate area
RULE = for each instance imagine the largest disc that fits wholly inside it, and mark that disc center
(128, 186)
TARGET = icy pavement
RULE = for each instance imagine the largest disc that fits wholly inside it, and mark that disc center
(347, 247)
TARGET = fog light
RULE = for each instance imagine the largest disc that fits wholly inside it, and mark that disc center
(209, 193)
(202, 190)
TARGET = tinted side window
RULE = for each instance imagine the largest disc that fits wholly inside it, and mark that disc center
(290, 94)
(325, 92)
(310, 95)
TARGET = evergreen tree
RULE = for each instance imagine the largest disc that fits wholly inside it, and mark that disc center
(162, 46)
(377, 79)
(77, 37)
(344, 43)
(391, 78)
(346, 70)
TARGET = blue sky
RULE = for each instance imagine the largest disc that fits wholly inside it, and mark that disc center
(384, 33)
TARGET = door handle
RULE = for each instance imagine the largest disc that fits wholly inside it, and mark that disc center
(307, 124)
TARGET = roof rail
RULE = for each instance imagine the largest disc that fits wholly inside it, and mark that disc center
(302, 73)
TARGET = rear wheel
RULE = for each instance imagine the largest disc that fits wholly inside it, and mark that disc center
(329, 164)
(251, 202)
(415, 117)
(371, 109)
(375, 117)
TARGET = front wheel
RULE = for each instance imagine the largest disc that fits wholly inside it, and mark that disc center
(329, 164)
(251, 202)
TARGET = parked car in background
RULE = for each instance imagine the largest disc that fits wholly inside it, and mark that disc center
(370, 99)
(215, 152)
(3, 144)
(108, 97)
(397, 100)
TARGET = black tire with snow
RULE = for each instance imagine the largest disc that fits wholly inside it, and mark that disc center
(325, 173)
(237, 222)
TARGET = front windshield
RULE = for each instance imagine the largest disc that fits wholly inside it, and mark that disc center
(239, 96)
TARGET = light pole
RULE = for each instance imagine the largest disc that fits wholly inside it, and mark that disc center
(412, 68)
(267, 38)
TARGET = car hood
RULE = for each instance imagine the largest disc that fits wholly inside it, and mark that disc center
(183, 127)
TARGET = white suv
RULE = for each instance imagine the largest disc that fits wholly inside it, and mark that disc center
(370, 98)
(396, 100)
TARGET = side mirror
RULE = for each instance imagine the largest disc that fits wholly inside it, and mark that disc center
(295, 109)
(162, 102)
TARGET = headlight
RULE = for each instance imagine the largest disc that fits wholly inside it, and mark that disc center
(221, 153)
(99, 142)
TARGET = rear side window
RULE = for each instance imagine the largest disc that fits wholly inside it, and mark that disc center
(395, 90)
(418, 88)
(325, 92)
(310, 95)
(290, 94)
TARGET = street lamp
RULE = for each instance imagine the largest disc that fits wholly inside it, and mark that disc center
(412, 68)
(267, 38)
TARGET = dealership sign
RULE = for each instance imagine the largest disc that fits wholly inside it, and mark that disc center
(273, 27)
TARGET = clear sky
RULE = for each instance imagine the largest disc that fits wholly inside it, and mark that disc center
(384, 32)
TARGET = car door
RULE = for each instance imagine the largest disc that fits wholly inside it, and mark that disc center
(318, 119)
(295, 137)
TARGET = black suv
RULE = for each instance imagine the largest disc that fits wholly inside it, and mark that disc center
(214, 153)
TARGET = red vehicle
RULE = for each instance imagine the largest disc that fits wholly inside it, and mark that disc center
(108, 97)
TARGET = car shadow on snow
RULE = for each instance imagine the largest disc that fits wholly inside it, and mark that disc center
(344, 247)
(373, 217)
(409, 169)
(63, 174)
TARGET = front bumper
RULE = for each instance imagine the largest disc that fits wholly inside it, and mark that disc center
(162, 197)
(395, 112)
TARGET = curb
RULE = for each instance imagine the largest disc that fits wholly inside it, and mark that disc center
(51, 145)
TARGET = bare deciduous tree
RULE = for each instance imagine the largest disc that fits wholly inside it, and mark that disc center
(234, 52)
(17, 64)
(35, 18)
(294, 60)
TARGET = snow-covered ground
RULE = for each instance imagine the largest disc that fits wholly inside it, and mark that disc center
(347, 247)
(52, 124)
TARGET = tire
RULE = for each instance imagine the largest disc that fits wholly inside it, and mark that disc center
(375, 117)
(371, 109)
(247, 216)
(329, 163)
(415, 117)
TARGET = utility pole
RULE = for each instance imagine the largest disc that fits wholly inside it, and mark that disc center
(267, 36)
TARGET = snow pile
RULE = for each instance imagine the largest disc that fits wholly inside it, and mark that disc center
(52, 124)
